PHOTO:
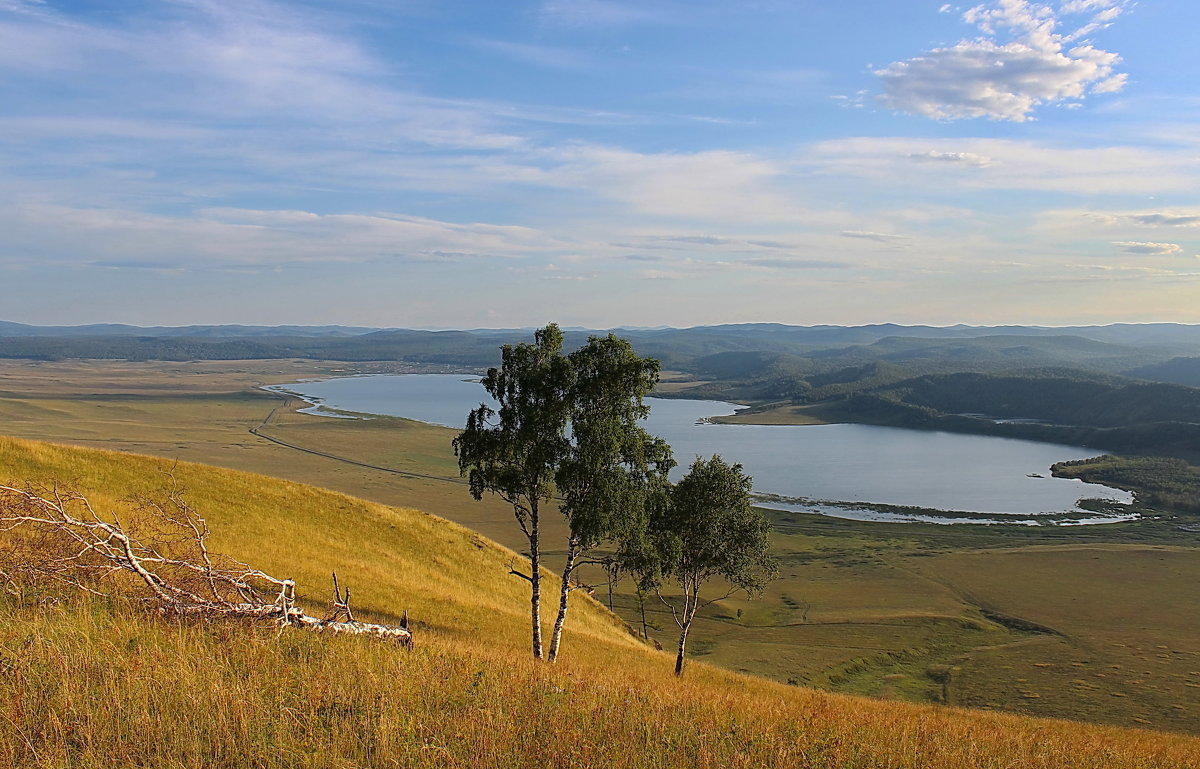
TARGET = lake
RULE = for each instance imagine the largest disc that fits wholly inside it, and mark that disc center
(847, 470)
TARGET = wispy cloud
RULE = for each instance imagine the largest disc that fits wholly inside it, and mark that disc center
(878, 237)
(1008, 164)
(1020, 61)
(1149, 249)
(797, 264)
(593, 13)
(1118, 222)
(1190, 219)
(958, 158)
(538, 55)
(225, 237)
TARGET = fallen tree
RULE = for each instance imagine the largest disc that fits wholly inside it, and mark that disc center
(163, 563)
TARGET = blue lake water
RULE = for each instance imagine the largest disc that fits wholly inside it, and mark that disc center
(832, 469)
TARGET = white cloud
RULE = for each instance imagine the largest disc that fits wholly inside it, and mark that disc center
(961, 158)
(719, 185)
(253, 63)
(1117, 224)
(660, 275)
(1008, 80)
(1149, 249)
(778, 263)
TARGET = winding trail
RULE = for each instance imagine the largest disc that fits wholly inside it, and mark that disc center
(287, 403)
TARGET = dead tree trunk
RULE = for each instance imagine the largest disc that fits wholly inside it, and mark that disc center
(177, 575)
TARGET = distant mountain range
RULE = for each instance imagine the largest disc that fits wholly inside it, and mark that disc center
(776, 333)
(1164, 351)
(1122, 387)
(8, 328)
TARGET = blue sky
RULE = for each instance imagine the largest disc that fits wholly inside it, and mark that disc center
(444, 163)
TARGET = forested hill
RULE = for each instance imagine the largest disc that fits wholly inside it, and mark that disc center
(1185, 371)
(1115, 348)
(1105, 413)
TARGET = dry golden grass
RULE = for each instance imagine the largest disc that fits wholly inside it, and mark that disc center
(86, 684)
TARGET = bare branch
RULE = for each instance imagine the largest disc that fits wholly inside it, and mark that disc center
(728, 593)
(512, 569)
(61, 538)
(669, 605)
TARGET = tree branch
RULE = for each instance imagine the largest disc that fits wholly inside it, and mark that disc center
(67, 541)
(512, 569)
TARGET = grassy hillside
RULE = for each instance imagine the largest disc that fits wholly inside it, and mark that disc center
(87, 684)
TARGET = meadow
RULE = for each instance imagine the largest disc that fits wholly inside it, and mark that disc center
(1093, 623)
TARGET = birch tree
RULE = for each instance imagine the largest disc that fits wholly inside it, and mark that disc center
(708, 531)
(613, 467)
(514, 451)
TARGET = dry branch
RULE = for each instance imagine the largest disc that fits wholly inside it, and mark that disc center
(59, 537)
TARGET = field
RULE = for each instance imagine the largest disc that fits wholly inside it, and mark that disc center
(1095, 624)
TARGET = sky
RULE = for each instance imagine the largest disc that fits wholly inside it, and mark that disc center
(599, 163)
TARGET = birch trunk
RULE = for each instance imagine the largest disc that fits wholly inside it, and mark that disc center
(691, 602)
(564, 594)
(535, 580)
(683, 634)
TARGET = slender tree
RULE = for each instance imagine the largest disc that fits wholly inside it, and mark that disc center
(514, 451)
(709, 530)
(613, 467)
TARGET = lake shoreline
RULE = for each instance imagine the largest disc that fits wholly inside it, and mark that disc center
(847, 470)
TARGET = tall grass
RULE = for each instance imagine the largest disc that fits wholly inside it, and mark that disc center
(88, 683)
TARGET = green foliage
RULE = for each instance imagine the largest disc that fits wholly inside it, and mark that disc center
(1165, 483)
(515, 451)
(710, 529)
(567, 425)
(612, 464)
(1183, 370)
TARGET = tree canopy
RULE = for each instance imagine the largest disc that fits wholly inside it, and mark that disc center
(514, 451)
(612, 467)
(708, 530)
(567, 429)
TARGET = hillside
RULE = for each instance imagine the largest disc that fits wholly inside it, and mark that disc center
(87, 684)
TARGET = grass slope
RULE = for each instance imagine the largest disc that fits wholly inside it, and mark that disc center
(86, 684)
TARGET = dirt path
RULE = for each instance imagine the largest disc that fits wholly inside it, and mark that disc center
(289, 401)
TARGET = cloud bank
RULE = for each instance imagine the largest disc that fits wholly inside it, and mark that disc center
(1020, 61)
